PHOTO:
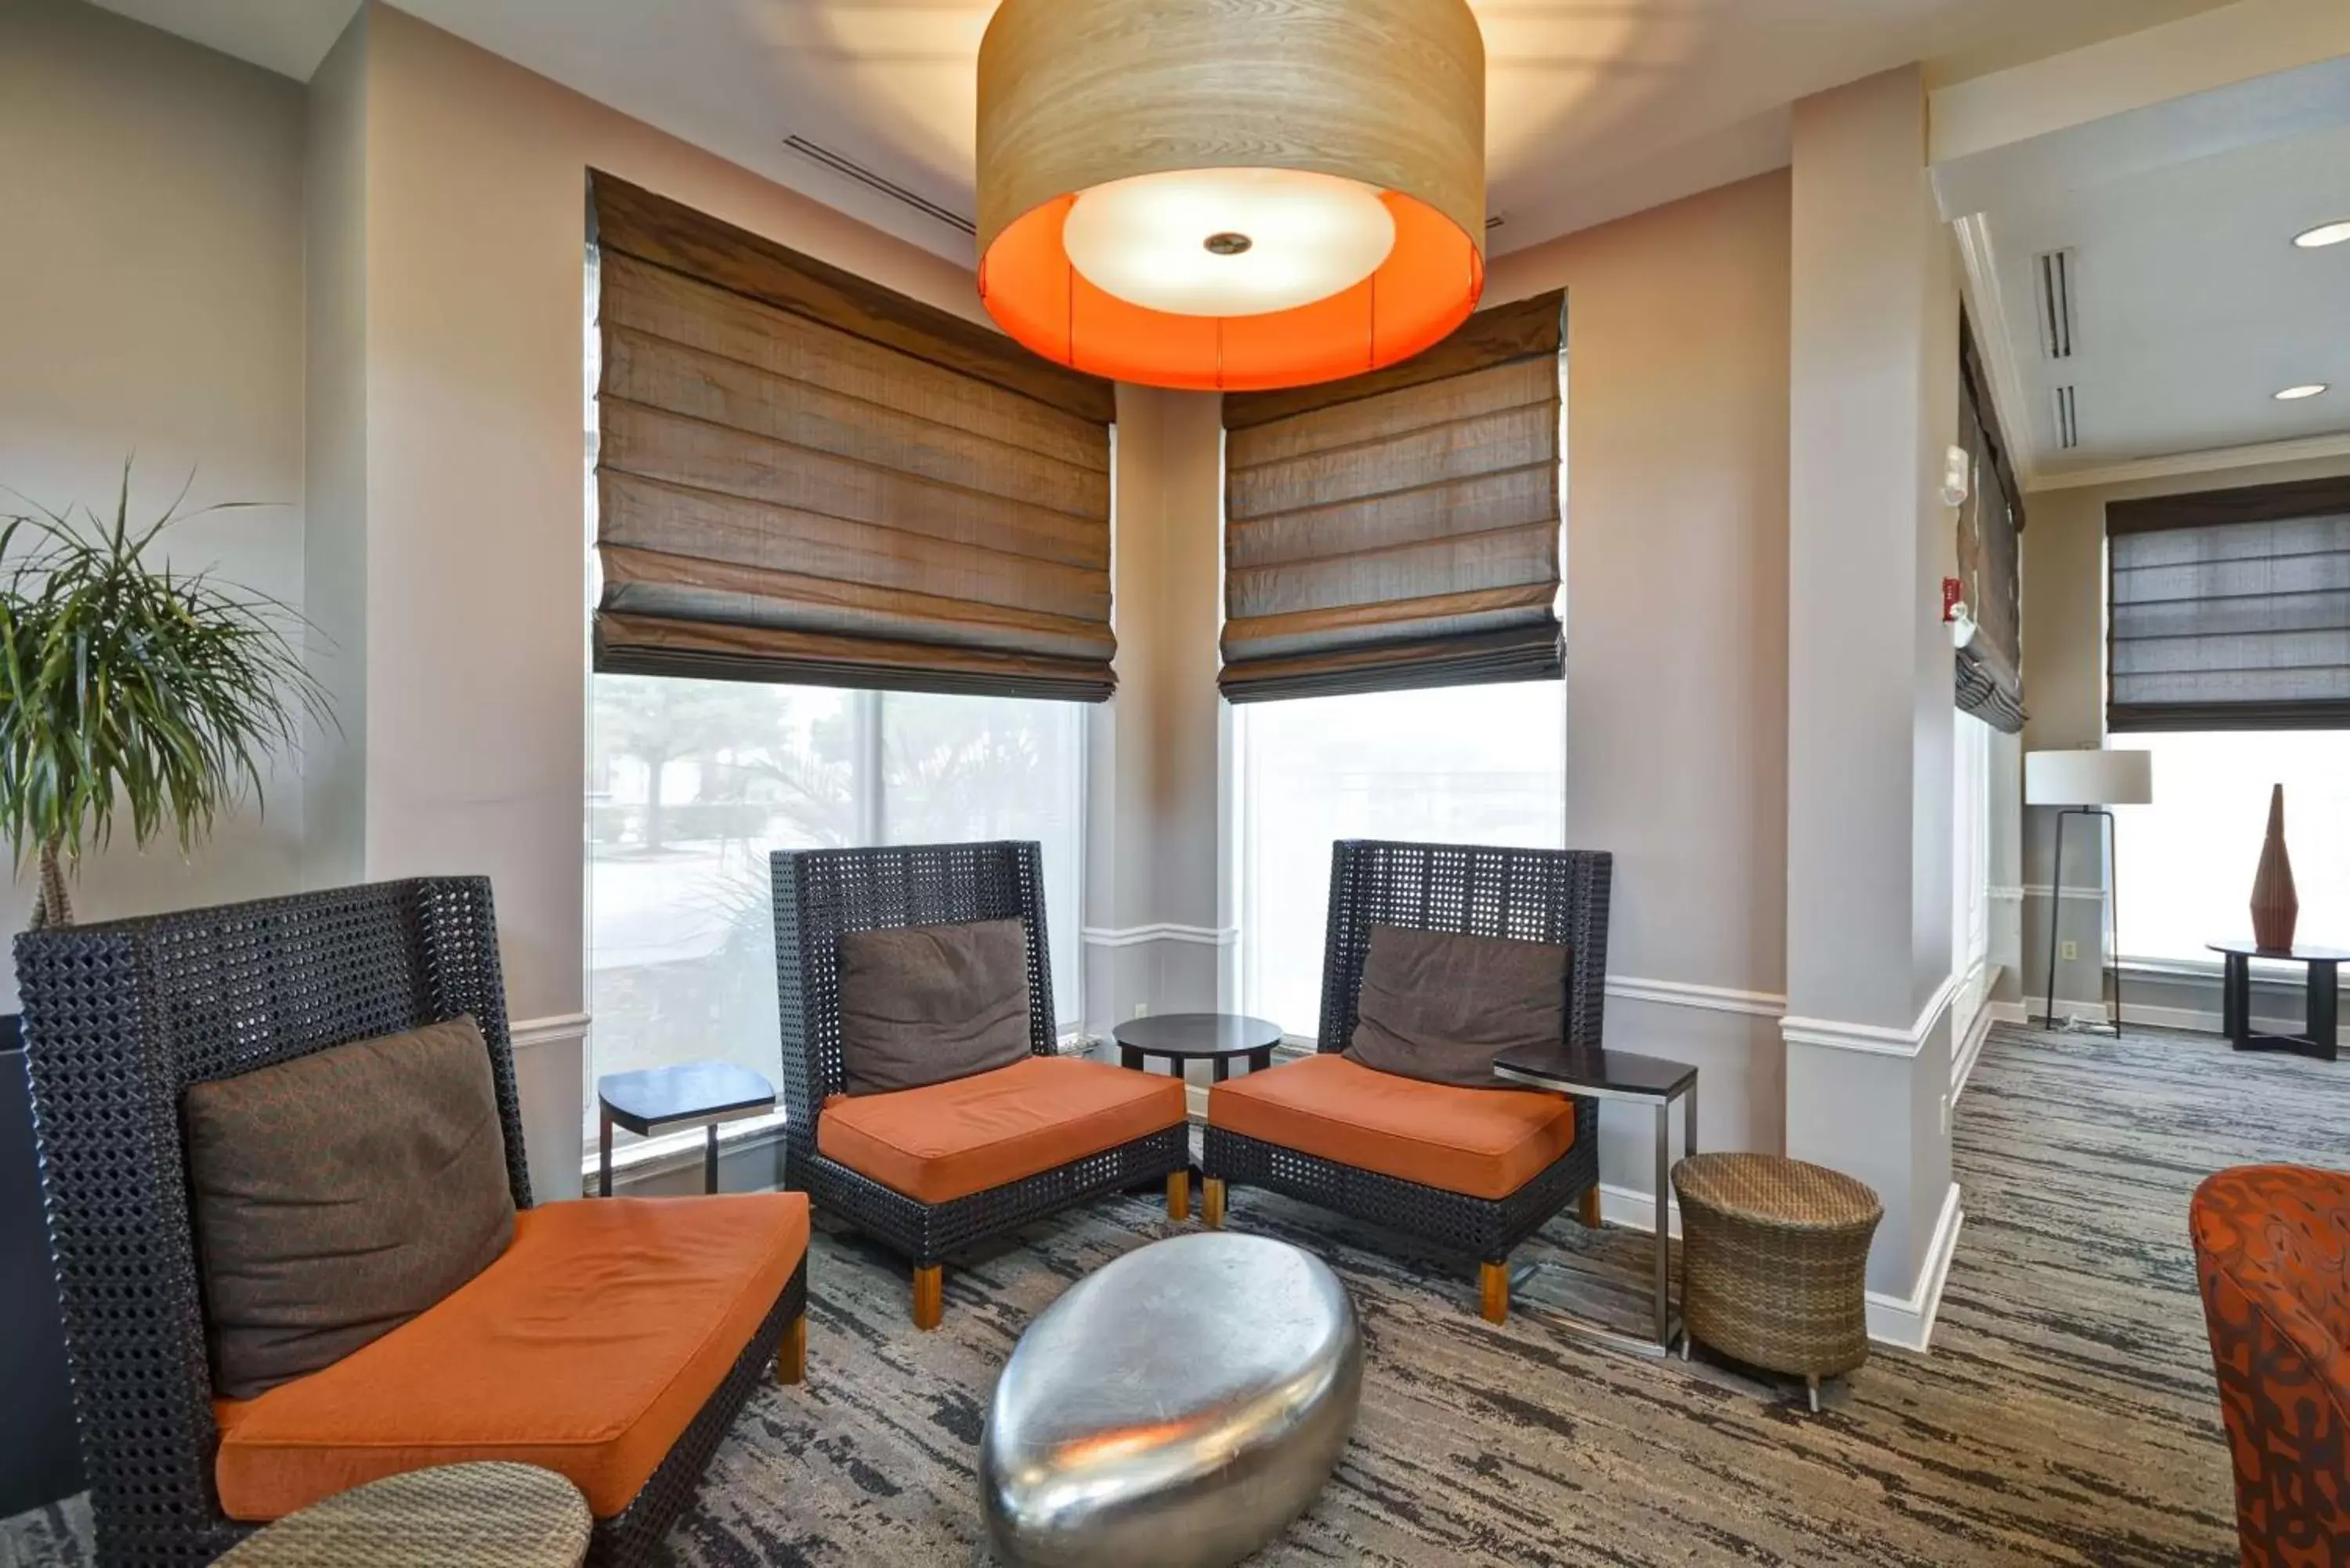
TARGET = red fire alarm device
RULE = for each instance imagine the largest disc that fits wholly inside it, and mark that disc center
(1954, 594)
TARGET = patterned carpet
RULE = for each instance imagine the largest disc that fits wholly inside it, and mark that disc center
(2066, 1415)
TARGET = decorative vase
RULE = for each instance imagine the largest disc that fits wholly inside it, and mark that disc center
(2275, 907)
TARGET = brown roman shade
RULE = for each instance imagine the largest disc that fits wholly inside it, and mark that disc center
(1400, 528)
(2231, 609)
(804, 477)
(1991, 668)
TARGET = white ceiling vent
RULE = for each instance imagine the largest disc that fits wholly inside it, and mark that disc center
(839, 163)
(2053, 278)
(2068, 421)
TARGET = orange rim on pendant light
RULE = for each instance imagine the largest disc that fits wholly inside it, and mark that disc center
(1377, 100)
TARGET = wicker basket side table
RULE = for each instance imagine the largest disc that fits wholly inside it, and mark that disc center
(1774, 1263)
(480, 1515)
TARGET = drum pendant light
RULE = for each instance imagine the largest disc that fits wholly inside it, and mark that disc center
(1233, 195)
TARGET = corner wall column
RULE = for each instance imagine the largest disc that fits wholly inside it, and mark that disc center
(1873, 403)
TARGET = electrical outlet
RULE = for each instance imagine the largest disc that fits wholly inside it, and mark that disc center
(2070, 951)
(1142, 1008)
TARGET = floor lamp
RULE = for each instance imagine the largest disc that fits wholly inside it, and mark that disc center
(2084, 784)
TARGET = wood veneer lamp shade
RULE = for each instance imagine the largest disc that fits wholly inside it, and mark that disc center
(1226, 171)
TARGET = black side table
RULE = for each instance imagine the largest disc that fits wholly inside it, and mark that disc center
(1640, 1080)
(2317, 1038)
(657, 1100)
(1182, 1037)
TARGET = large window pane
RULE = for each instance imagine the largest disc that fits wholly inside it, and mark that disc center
(958, 769)
(1471, 765)
(693, 782)
(2185, 875)
(690, 783)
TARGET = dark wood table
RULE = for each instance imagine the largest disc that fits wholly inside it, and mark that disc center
(1221, 1038)
(1653, 1080)
(691, 1094)
(2325, 965)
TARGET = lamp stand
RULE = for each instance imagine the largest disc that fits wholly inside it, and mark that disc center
(2111, 926)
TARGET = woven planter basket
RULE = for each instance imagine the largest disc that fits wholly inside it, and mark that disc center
(1775, 1261)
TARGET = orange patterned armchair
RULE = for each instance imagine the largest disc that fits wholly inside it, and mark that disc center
(2273, 1257)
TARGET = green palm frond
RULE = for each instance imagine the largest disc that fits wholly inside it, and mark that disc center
(126, 686)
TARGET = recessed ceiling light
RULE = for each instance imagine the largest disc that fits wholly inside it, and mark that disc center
(2294, 394)
(2323, 234)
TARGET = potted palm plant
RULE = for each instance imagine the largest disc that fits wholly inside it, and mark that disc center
(128, 692)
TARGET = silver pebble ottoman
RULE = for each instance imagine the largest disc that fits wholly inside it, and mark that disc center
(1175, 1409)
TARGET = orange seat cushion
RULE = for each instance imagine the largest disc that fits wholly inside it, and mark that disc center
(1483, 1143)
(587, 1348)
(948, 1140)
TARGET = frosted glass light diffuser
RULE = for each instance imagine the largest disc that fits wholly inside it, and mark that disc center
(2088, 778)
(1228, 242)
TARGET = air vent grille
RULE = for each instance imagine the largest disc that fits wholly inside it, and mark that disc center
(2053, 275)
(839, 163)
(2068, 422)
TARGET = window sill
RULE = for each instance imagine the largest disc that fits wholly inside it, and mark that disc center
(674, 1151)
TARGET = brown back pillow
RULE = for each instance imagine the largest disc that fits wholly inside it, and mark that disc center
(1442, 1007)
(338, 1195)
(921, 1005)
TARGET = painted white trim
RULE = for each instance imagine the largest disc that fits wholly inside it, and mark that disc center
(1874, 1039)
(1997, 343)
(554, 1030)
(1135, 935)
(2004, 895)
(2086, 895)
(1908, 1322)
(1706, 998)
(2007, 1013)
(1636, 1210)
(2211, 459)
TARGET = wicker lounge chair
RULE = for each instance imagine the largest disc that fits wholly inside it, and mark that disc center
(119, 1019)
(899, 1166)
(1469, 1171)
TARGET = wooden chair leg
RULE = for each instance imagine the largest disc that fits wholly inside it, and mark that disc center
(1211, 1202)
(791, 1356)
(929, 1296)
(1178, 1196)
(1493, 1291)
(1587, 1210)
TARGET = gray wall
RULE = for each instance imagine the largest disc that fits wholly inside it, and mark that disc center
(2063, 683)
(152, 194)
(1677, 635)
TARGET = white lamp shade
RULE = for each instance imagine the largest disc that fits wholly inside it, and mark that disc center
(2088, 778)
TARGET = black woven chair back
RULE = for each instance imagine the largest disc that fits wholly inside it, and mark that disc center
(1526, 895)
(118, 1019)
(822, 893)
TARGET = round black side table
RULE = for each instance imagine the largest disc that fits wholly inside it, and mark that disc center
(1183, 1037)
(2317, 1037)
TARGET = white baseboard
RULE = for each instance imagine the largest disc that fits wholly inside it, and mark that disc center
(1907, 1323)
(1636, 1210)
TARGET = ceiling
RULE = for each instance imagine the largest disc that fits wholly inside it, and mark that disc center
(2192, 305)
(1595, 106)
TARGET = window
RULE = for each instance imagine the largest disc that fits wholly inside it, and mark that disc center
(1483, 764)
(691, 783)
(2186, 862)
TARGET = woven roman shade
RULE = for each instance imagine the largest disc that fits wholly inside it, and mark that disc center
(1399, 529)
(804, 477)
(2231, 609)
(1991, 668)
